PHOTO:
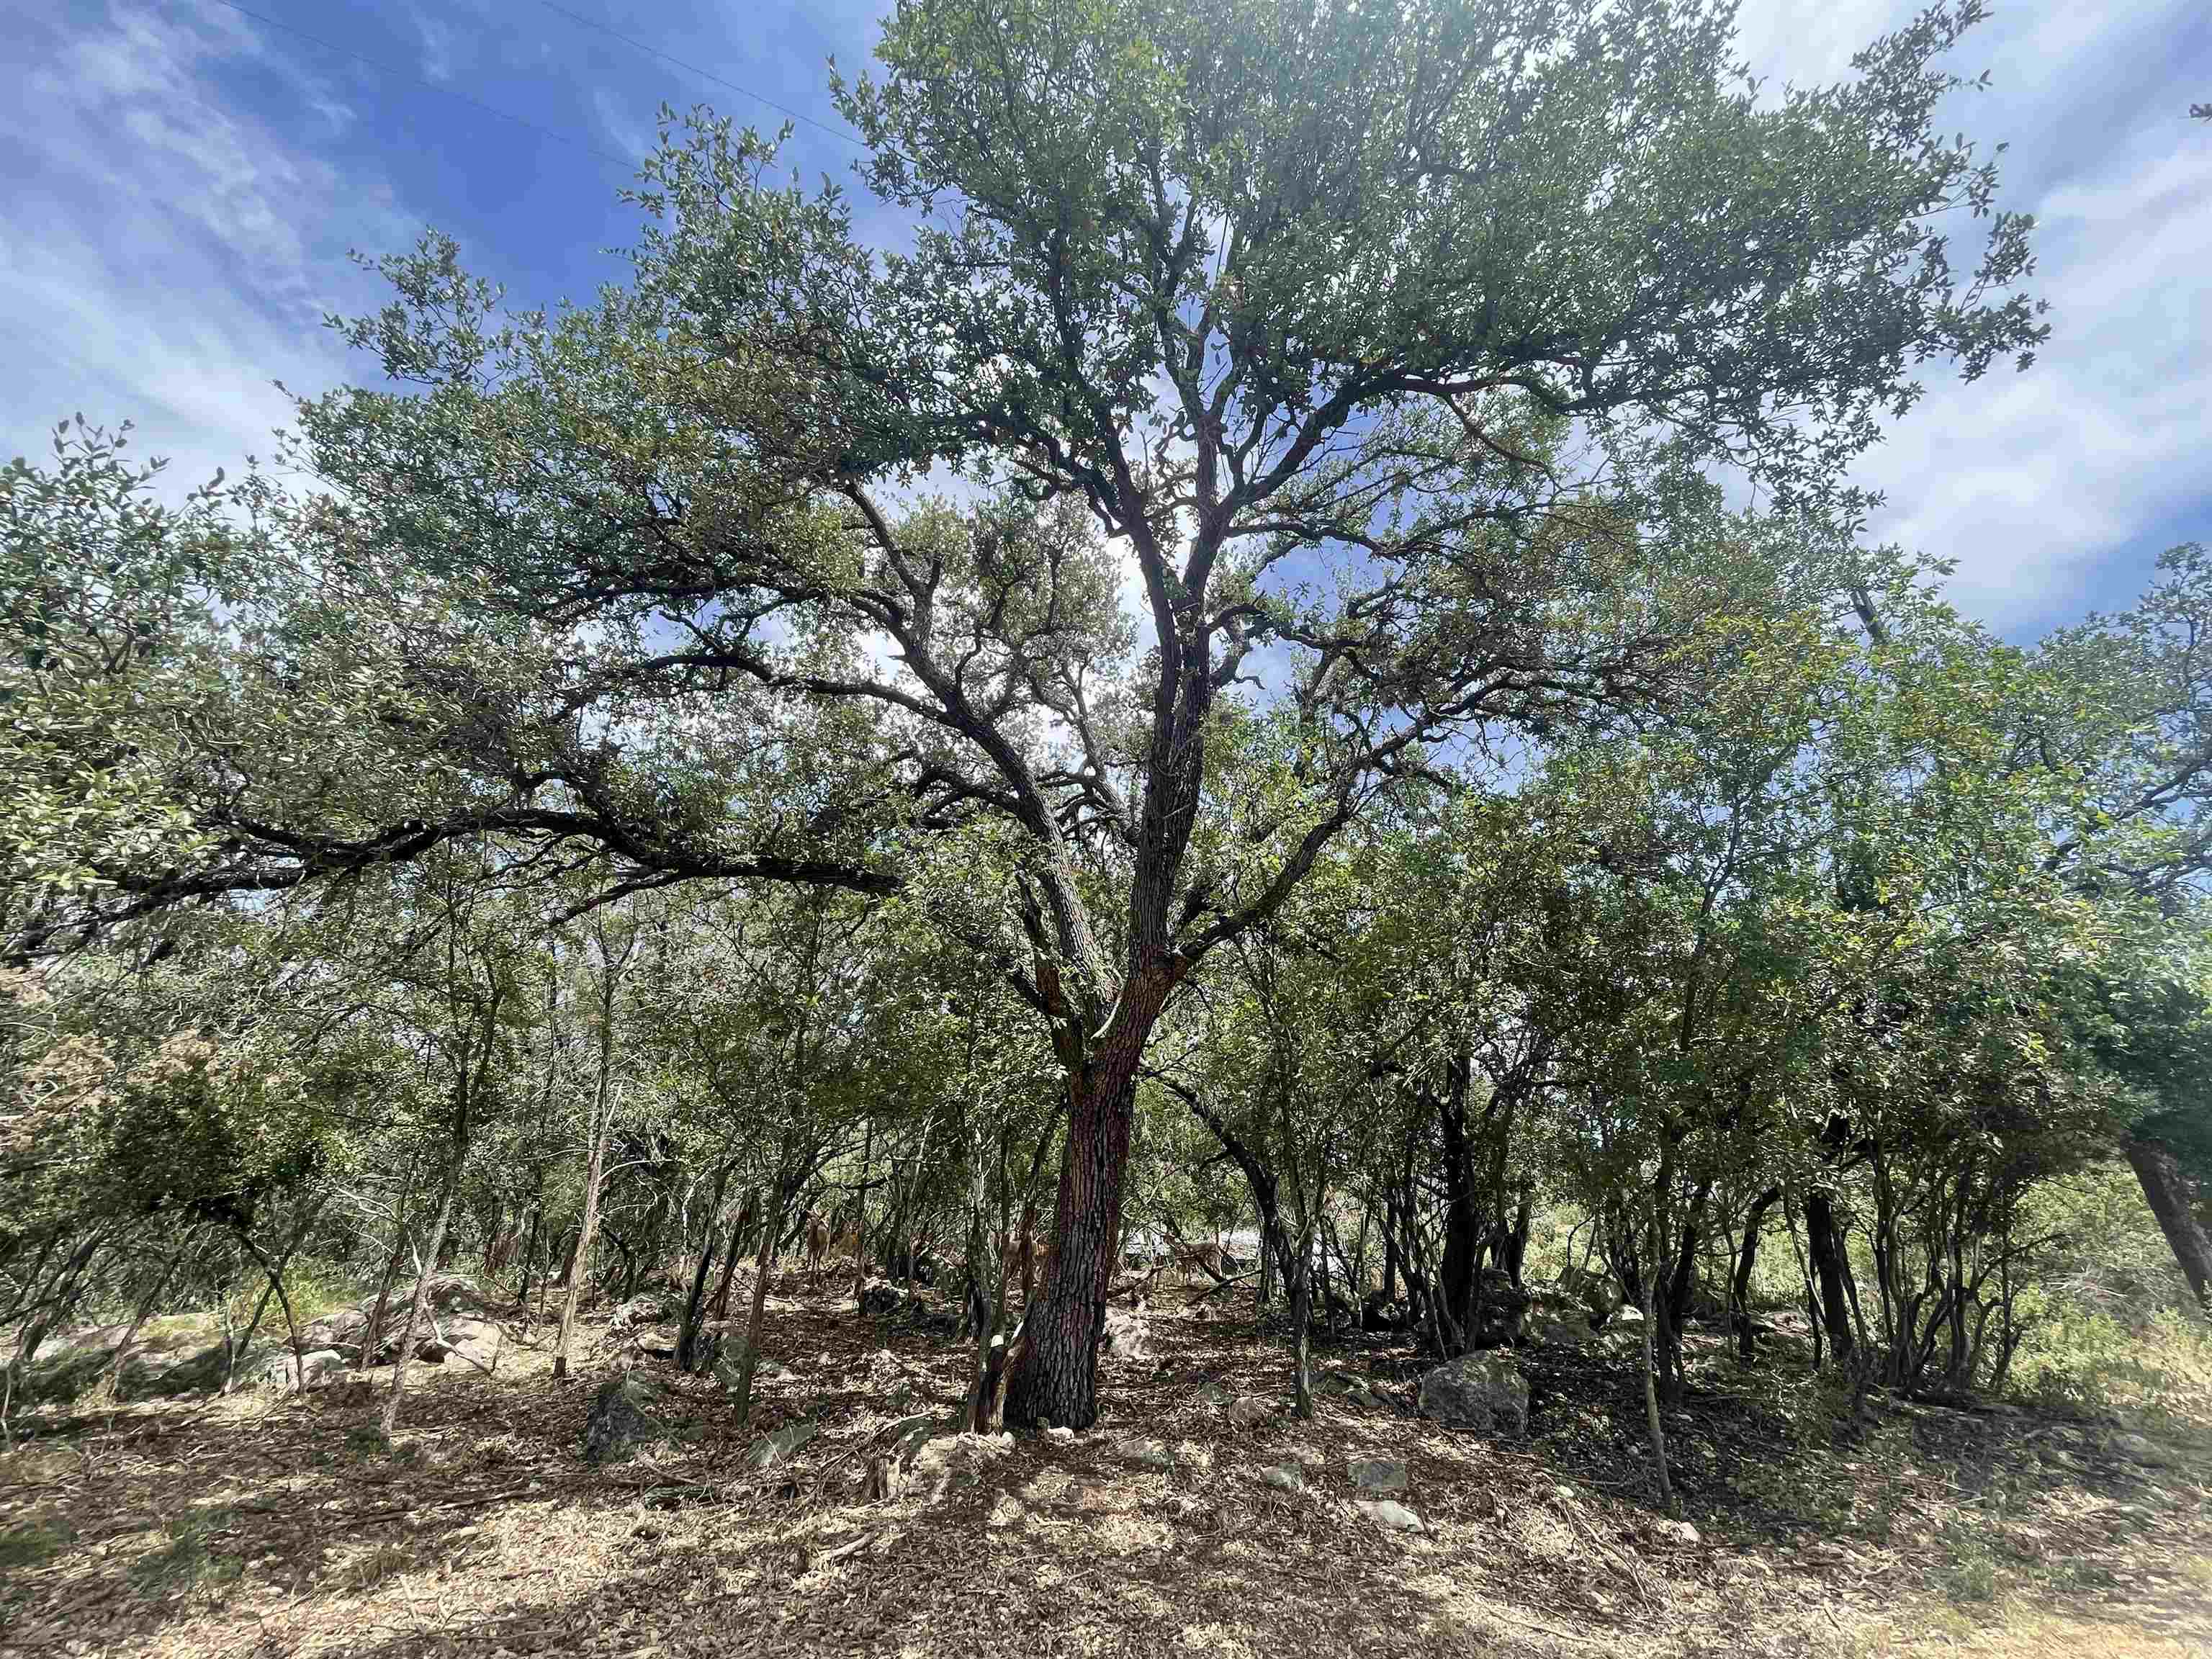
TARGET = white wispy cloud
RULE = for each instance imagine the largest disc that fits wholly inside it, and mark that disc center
(2043, 485)
(165, 256)
(167, 248)
(437, 43)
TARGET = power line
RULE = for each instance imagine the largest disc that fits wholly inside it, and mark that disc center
(628, 164)
(577, 17)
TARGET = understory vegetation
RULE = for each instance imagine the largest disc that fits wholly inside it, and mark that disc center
(1219, 902)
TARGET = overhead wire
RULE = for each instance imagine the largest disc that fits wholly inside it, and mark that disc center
(651, 50)
(628, 163)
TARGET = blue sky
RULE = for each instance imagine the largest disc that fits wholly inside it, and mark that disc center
(186, 180)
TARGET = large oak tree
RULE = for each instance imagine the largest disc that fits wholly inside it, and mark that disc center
(1385, 352)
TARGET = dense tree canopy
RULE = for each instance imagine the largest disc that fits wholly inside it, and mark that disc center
(1294, 645)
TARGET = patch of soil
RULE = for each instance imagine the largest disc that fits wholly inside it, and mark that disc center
(269, 1525)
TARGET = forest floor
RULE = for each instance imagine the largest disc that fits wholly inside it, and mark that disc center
(263, 1524)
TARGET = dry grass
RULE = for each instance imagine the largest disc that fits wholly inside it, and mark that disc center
(258, 1527)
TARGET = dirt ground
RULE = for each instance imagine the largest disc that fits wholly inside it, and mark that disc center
(277, 1525)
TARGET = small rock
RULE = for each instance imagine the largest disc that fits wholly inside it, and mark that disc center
(2137, 1449)
(908, 1433)
(771, 1449)
(1485, 1391)
(1391, 1517)
(618, 1422)
(1284, 1477)
(1377, 1473)
(957, 1460)
(1151, 1453)
(1061, 1434)
(1680, 1533)
(1250, 1411)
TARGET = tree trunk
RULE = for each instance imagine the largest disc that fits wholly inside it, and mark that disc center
(749, 1358)
(391, 1419)
(1826, 1243)
(1055, 1378)
(1459, 1275)
(580, 1252)
(1301, 1347)
(687, 1341)
(530, 1252)
(861, 1216)
(739, 1229)
(276, 1274)
(371, 1339)
(1740, 1284)
(1652, 1308)
(1389, 1248)
(1514, 1256)
(138, 1317)
(2167, 1191)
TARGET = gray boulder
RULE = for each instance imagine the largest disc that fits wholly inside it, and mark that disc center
(279, 1375)
(337, 1330)
(879, 1298)
(1123, 1336)
(2138, 1449)
(1485, 1391)
(646, 1309)
(1558, 1329)
(618, 1422)
(1284, 1477)
(1377, 1473)
(474, 1342)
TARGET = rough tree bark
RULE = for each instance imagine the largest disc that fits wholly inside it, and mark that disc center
(1055, 1378)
